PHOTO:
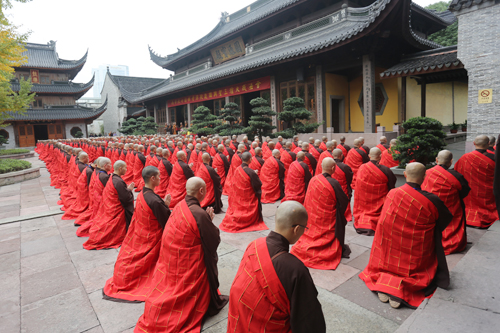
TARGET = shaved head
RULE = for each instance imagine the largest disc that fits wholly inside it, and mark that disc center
(241, 148)
(246, 157)
(337, 154)
(149, 172)
(83, 157)
(375, 154)
(119, 164)
(482, 142)
(220, 148)
(181, 155)
(357, 142)
(193, 186)
(102, 161)
(258, 151)
(394, 142)
(288, 144)
(301, 155)
(444, 157)
(383, 139)
(328, 165)
(206, 158)
(492, 140)
(290, 213)
(276, 153)
(415, 173)
(305, 146)
(140, 148)
(271, 145)
(329, 145)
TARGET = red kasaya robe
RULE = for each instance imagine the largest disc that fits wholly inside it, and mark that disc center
(369, 197)
(165, 173)
(81, 204)
(382, 147)
(448, 188)
(177, 185)
(403, 259)
(272, 176)
(344, 151)
(87, 215)
(109, 227)
(325, 154)
(258, 302)
(218, 163)
(354, 159)
(297, 182)
(287, 160)
(235, 163)
(138, 255)
(180, 294)
(130, 160)
(96, 201)
(387, 159)
(341, 177)
(480, 206)
(244, 212)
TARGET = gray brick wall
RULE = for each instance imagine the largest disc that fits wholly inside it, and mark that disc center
(479, 51)
(112, 116)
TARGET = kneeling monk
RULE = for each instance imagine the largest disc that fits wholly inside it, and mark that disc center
(245, 209)
(373, 183)
(272, 176)
(82, 201)
(140, 249)
(180, 174)
(355, 158)
(115, 212)
(298, 179)
(273, 291)
(322, 245)
(212, 181)
(400, 270)
(185, 282)
(451, 187)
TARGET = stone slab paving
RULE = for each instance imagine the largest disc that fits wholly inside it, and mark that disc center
(51, 284)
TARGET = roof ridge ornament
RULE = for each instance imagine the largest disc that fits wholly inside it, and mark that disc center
(224, 17)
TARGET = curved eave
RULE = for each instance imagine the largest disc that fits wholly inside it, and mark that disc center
(77, 89)
(432, 15)
(73, 67)
(410, 35)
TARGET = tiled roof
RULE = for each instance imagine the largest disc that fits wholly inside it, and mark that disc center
(131, 85)
(425, 62)
(446, 17)
(45, 56)
(462, 4)
(61, 113)
(58, 88)
(227, 25)
(312, 37)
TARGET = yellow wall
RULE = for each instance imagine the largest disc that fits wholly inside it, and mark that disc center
(438, 101)
(336, 85)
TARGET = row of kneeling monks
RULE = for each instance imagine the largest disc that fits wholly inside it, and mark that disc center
(168, 257)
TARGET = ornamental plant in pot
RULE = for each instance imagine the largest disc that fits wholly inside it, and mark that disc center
(453, 128)
(464, 126)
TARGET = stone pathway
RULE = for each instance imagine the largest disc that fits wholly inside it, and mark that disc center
(51, 284)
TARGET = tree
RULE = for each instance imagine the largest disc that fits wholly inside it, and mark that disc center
(149, 126)
(261, 122)
(230, 115)
(128, 127)
(204, 122)
(11, 49)
(296, 116)
(422, 141)
(449, 35)
(3, 140)
(78, 134)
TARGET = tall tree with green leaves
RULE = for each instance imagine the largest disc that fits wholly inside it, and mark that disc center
(449, 35)
(296, 116)
(204, 122)
(11, 49)
(149, 126)
(230, 126)
(260, 122)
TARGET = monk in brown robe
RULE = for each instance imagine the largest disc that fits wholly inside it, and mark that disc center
(309, 158)
(383, 146)
(140, 163)
(235, 163)
(297, 181)
(213, 185)
(280, 282)
(355, 158)
(185, 282)
(272, 176)
(387, 159)
(257, 161)
(400, 270)
(343, 174)
(140, 249)
(221, 164)
(287, 156)
(165, 168)
(330, 146)
(491, 147)
(180, 174)
(363, 147)
(373, 183)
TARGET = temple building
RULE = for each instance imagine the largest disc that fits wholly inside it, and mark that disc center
(54, 113)
(357, 64)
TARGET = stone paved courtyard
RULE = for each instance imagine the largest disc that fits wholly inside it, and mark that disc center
(51, 284)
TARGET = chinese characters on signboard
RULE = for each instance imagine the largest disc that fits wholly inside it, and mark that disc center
(263, 83)
(228, 51)
(35, 76)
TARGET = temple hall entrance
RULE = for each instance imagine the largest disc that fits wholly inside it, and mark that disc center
(41, 132)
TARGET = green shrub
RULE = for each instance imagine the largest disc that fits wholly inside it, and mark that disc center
(10, 165)
(13, 151)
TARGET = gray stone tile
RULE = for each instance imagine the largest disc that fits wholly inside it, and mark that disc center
(10, 262)
(10, 226)
(11, 201)
(9, 208)
(356, 291)
(217, 323)
(225, 248)
(356, 251)
(240, 240)
(33, 210)
(48, 283)
(29, 236)
(362, 240)
(228, 266)
(350, 232)
(453, 259)
(115, 316)
(85, 260)
(37, 224)
(10, 245)
(13, 197)
(342, 315)
(331, 279)
(11, 213)
(11, 322)
(97, 329)
(473, 235)
(31, 204)
(44, 261)
(11, 231)
(66, 312)
(74, 244)
(436, 315)
(41, 245)
(10, 289)
(269, 209)
(361, 261)
(95, 278)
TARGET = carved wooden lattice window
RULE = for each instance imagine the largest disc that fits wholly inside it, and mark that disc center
(30, 129)
(58, 129)
(51, 129)
(22, 131)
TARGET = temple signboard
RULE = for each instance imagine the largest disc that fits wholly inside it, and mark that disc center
(259, 84)
(35, 76)
(227, 51)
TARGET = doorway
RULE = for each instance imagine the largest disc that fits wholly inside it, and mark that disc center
(337, 114)
(41, 132)
(180, 115)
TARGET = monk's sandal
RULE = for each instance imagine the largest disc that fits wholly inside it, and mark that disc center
(394, 304)
(383, 297)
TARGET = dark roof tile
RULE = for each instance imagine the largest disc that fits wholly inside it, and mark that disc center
(45, 56)
(60, 113)
(58, 88)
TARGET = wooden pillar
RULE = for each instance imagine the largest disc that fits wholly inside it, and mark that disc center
(189, 106)
(319, 98)
(369, 93)
(168, 113)
(403, 100)
(274, 103)
(423, 93)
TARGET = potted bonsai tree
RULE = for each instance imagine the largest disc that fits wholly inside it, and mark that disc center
(453, 128)
(464, 126)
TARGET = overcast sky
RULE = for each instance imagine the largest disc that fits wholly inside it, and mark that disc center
(117, 32)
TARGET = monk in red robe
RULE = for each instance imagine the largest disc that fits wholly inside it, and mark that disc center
(491, 147)
(383, 146)
(165, 168)
(140, 249)
(268, 152)
(324, 140)
(322, 245)
(309, 159)
(235, 163)
(373, 183)
(273, 291)
(297, 181)
(272, 176)
(245, 208)
(355, 158)
(181, 172)
(184, 288)
(402, 269)
(213, 185)
(87, 215)
(257, 161)
(81, 202)
(140, 163)
(129, 158)
(151, 158)
(362, 145)
(287, 157)
(451, 187)
(330, 146)
(115, 212)
(478, 168)
(315, 150)
(387, 158)
(342, 146)
(221, 164)
(343, 174)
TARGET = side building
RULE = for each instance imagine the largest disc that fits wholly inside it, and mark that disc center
(54, 113)
(361, 66)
